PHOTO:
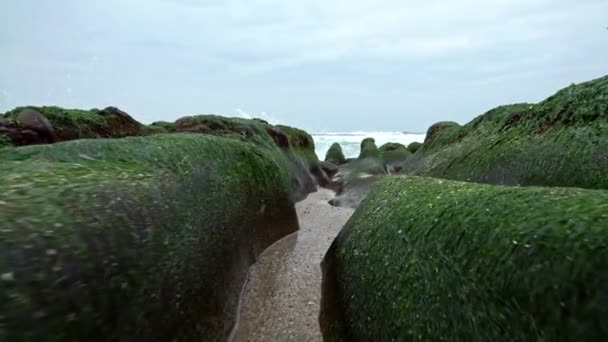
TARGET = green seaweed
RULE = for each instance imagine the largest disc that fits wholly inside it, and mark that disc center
(301, 142)
(167, 126)
(435, 260)
(4, 141)
(394, 153)
(560, 141)
(413, 147)
(335, 155)
(142, 238)
(71, 124)
(369, 149)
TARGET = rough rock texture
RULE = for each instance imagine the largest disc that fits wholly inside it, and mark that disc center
(138, 239)
(335, 155)
(560, 141)
(436, 260)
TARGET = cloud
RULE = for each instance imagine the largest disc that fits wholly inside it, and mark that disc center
(332, 65)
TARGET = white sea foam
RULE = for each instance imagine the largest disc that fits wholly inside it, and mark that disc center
(351, 141)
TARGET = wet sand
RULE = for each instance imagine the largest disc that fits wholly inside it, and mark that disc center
(282, 298)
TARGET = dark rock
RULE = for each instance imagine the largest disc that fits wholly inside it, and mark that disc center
(120, 124)
(190, 124)
(319, 174)
(280, 138)
(330, 168)
(513, 118)
(114, 111)
(32, 119)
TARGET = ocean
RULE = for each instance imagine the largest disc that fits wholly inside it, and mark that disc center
(351, 141)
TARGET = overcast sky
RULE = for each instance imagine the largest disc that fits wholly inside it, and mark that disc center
(323, 65)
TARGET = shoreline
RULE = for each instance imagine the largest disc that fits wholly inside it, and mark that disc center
(282, 298)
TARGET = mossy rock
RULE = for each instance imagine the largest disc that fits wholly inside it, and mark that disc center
(560, 141)
(217, 124)
(394, 155)
(335, 155)
(356, 178)
(445, 130)
(168, 127)
(413, 147)
(142, 238)
(369, 149)
(258, 131)
(151, 130)
(301, 142)
(436, 260)
(72, 124)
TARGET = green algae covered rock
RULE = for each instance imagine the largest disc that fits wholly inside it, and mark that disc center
(161, 127)
(413, 147)
(442, 133)
(436, 260)
(369, 149)
(136, 239)
(259, 131)
(394, 155)
(71, 124)
(300, 141)
(335, 155)
(560, 141)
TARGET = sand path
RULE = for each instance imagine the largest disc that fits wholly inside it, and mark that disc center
(282, 298)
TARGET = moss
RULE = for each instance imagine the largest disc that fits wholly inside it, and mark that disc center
(442, 133)
(244, 129)
(394, 153)
(558, 142)
(144, 238)
(335, 154)
(71, 124)
(301, 142)
(369, 149)
(413, 147)
(436, 260)
(167, 126)
(151, 130)
(257, 131)
(4, 141)
(390, 146)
